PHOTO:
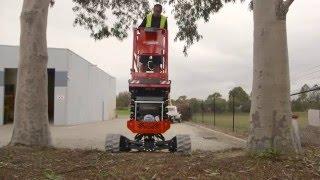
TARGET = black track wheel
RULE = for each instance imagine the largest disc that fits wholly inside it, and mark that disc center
(182, 144)
(116, 143)
(112, 143)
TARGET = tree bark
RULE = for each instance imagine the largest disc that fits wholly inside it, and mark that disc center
(271, 109)
(31, 124)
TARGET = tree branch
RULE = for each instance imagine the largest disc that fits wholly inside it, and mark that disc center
(288, 3)
(283, 9)
(52, 2)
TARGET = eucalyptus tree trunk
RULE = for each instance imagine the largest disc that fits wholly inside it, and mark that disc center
(31, 124)
(270, 109)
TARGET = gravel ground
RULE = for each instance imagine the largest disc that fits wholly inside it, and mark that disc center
(91, 136)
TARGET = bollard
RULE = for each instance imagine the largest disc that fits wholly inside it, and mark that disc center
(295, 133)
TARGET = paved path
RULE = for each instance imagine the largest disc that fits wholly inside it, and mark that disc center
(91, 136)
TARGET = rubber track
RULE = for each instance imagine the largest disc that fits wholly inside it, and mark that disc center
(112, 143)
(183, 144)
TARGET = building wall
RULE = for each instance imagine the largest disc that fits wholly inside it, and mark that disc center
(81, 89)
(58, 59)
(112, 94)
(10, 57)
(89, 92)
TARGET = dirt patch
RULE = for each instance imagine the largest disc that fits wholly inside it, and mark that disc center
(40, 163)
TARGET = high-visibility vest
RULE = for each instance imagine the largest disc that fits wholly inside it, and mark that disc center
(163, 21)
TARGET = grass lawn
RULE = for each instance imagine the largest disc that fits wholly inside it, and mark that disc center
(224, 120)
(241, 120)
(123, 113)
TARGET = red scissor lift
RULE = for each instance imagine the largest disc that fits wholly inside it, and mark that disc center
(149, 87)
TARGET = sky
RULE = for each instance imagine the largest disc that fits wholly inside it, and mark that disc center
(218, 63)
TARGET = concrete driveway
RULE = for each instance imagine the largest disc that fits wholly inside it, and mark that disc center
(91, 136)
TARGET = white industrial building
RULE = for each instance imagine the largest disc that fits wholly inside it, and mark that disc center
(78, 91)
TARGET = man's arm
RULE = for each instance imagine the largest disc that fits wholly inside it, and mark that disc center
(143, 24)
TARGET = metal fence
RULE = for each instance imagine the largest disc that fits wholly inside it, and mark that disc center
(234, 116)
(303, 101)
(230, 115)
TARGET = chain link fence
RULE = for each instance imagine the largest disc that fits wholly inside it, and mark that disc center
(304, 101)
(233, 115)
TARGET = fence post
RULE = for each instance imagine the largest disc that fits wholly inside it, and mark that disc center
(191, 112)
(202, 109)
(214, 111)
(233, 112)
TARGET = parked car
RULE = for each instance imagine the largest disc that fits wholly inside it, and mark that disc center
(173, 114)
